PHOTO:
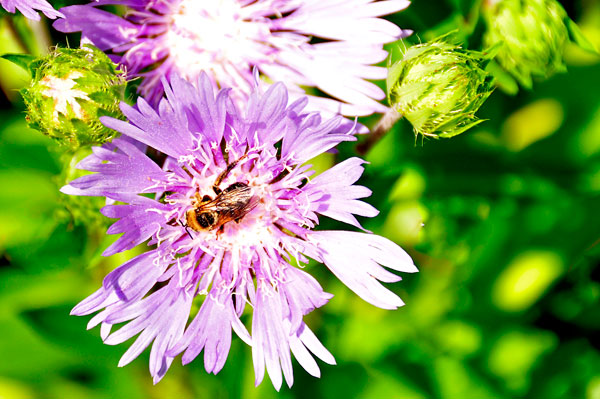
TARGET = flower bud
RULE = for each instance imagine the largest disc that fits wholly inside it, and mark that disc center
(438, 87)
(79, 210)
(531, 35)
(70, 90)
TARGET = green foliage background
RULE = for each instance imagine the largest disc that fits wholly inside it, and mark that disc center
(502, 222)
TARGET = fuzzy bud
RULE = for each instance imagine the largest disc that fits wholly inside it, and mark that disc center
(70, 90)
(438, 87)
(531, 35)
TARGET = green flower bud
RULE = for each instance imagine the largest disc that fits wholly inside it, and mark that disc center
(78, 210)
(70, 90)
(531, 35)
(438, 87)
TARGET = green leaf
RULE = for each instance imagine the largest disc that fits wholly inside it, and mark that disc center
(22, 60)
(577, 36)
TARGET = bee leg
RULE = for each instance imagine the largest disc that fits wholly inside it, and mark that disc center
(186, 229)
(220, 231)
(172, 222)
(197, 195)
(224, 174)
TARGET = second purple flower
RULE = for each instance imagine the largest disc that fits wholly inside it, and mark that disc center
(228, 38)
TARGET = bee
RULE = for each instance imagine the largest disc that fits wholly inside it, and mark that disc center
(231, 203)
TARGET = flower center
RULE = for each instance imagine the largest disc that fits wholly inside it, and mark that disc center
(210, 35)
(235, 208)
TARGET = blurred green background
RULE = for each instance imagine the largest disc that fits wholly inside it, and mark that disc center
(502, 222)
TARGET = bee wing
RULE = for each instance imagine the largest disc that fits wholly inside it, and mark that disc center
(212, 205)
(252, 203)
(235, 203)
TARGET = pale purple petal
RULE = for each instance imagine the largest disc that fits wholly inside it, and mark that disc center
(304, 339)
(137, 222)
(270, 346)
(151, 127)
(334, 195)
(356, 23)
(211, 330)
(205, 115)
(355, 259)
(106, 32)
(28, 7)
(127, 283)
(162, 323)
(127, 171)
(313, 137)
(303, 294)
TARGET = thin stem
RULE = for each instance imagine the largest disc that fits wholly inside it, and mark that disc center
(379, 131)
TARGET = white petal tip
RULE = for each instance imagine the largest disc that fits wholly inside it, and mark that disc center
(411, 268)
(69, 190)
(406, 33)
(76, 312)
(156, 379)
(328, 358)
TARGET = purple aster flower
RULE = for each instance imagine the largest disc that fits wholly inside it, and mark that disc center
(229, 218)
(228, 38)
(28, 7)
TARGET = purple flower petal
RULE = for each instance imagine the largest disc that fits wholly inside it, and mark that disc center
(270, 340)
(304, 341)
(107, 30)
(211, 330)
(138, 222)
(127, 171)
(303, 295)
(355, 258)
(28, 7)
(334, 195)
(162, 322)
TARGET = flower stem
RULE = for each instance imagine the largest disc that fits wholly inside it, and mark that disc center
(379, 130)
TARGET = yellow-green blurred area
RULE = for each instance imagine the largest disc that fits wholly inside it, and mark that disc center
(503, 222)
